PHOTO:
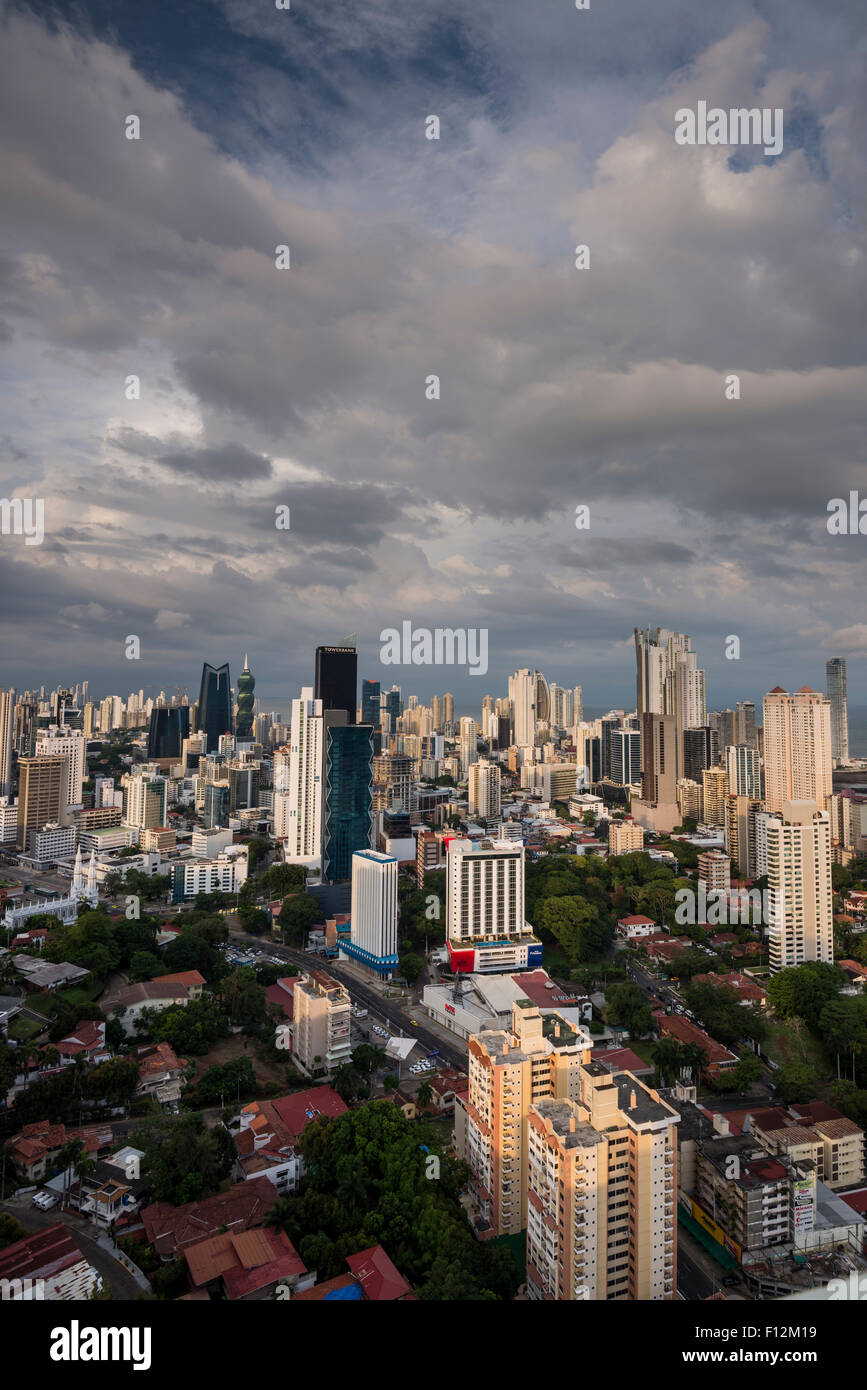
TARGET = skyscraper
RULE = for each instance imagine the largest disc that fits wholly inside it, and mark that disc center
(448, 709)
(347, 811)
(246, 686)
(484, 789)
(797, 743)
(7, 711)
(42, 791)
(745, 723)
(370, 694)
(215, 704)
(794, 849)
(336, 683)
(601, 1192)
(298, 791)
(522, 694)
(169, 726)
(743, 766)
(469, 744)
(71, 744)
(835, 676)
(373, 920)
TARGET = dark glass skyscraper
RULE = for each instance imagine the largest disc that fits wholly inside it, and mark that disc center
(215, 704)
(167, 731)
(348, 799)
(393, 706)
(246, 686)
(337, 679)
(370, 703)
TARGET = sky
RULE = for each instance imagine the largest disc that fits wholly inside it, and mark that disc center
(265, 388)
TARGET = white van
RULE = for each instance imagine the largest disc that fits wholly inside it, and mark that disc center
(45, 1200)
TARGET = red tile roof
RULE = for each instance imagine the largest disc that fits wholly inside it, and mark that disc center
(40, 1254)
(171, 1229)
(246, 1261)
(378, 1277)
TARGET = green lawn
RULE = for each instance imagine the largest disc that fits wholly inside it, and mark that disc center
(23, 1029)
(789, 1040)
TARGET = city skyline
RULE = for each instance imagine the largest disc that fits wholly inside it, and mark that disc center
(412, 257)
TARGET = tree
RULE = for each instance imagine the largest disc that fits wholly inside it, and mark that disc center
(411, 967)
(183, 1161)
(795, 1082)
(299, 914)
(746, 1072)
(627, 1007)
(576, 924)
(244, 999)
(804, 990)
(143, 966)
(10, 1230)
(424, 1094)
(345, 1082)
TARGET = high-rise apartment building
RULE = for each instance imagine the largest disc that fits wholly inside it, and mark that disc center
(625, 837)
(43, 787)
(795, 849)
(835, 677)
(657, 807)
(336, 683)
(72, 745)
(714, 790)
(484, 789)
(373, 918)
(602, 1192)
(469, 744)
(509, 1070)
(298, 784)
(145, 800)
(215, 704)
(797, 748)
(7, 727)
(485, 925)
(744, 770)
(699, 751)
(745, 723)
(448, 710)
(740, 833)
(522, 694)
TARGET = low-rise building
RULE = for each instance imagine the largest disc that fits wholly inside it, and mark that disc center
(163, 992)
(267, 1141)
(47, 1266)
(321, 1021)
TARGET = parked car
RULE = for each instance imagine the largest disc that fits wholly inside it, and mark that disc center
(45, 1200)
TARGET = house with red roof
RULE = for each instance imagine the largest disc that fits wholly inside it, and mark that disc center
(632, 927)
(267, 1142)
(282, 995)
(87, 1041)
(247, 1266)
(170, 1229)
(372, 1278)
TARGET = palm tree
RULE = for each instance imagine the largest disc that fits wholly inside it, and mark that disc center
(281, 1216)
(424, 1095)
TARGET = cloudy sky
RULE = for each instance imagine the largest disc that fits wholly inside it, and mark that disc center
(305, 387)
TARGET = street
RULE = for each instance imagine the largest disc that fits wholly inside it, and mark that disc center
(384, 1009)
(123, 1286)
